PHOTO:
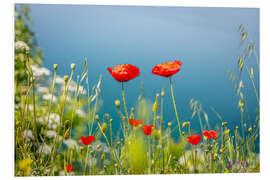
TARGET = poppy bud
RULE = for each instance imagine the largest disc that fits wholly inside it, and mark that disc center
(104, 127)
(185, 124)
(67, 134)
(224, 124)
(91, 152)
(115, 165)
(169, 124)
(162, 93)
(156, 134)
(55, 66)
(118, 143)
(105, 167)
(97, 117)
(132, 113)
(66, 78)
(117, 103)
(183, 133)
(201, 145)
(249, 130)
(240, 104)
(72, 66)
(155, 107)
(251, 73)
(98, 146)
(238, 148)
(236, 127)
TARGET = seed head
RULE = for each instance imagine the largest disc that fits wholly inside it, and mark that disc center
(72, 66)
(66, 78)
(156, 134)
(104, 127)
(55, 66)
(97, 117)
(117, 103)
(185, 124)
(224, 124)
(162, 93)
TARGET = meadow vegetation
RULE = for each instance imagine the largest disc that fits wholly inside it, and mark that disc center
(59, 130)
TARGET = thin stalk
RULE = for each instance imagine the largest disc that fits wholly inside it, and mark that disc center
(49, 111)
(125, 106)
(253, 85)
(176, 114)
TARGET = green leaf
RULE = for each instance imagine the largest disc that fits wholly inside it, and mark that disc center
(244, 36)
(85, 71)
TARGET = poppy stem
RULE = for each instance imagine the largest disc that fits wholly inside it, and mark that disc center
(125, 106)
(176, 114)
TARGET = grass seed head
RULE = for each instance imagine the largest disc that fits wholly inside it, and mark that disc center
(55, 66)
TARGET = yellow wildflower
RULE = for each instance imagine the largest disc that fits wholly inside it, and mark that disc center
(25, 165)
(227, 132)
(240, 104)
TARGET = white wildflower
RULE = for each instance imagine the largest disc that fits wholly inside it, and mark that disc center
(31, 107)
(20, 45)
(51, 134)
(48, 97)
(45, 149)
(62, 173)
(73, 88)
(71, 143)
(80, 113)
(43, 89)
(17, 106)
(28, 135)
(59, 80)
(39, 71)
(54, 121)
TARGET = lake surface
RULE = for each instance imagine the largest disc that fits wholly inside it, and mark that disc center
(206, 40)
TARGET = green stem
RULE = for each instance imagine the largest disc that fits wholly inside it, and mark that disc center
(49, 111)
(176, 114)
(125, 106)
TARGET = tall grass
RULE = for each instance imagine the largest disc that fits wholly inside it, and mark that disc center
(53, 113)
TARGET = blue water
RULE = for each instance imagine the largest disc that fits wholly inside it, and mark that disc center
(204, 39)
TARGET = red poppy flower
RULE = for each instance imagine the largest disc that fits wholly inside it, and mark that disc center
(69, 168)
(124, 72)
(194, 139)
(86, 140)
(167, 69)
(147, 129)
(210, 134)
(134, 122)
